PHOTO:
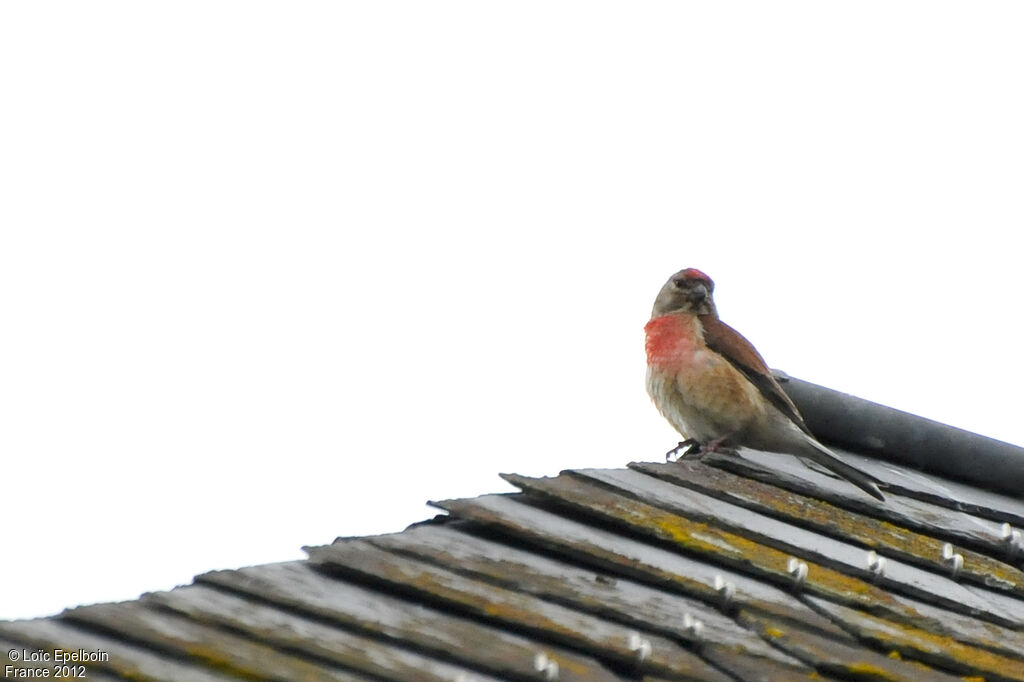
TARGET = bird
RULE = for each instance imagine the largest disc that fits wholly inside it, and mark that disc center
(716, 390)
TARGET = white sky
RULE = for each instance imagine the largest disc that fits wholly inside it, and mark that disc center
(272, 273)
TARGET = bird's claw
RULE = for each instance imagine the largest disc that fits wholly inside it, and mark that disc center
(691, 447)
(686, 448)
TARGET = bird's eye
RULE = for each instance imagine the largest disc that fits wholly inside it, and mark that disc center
(680, 283)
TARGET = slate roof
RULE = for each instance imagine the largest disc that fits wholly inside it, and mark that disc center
(728, 568)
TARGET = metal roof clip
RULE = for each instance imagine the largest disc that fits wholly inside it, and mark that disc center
(876, 564)
(953, 560)
(1014, 540)
(797, 569)
(545, 666)
(640, 646)
(726, 590)
(693, 627)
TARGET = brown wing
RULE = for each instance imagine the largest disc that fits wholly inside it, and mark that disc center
(731, 345)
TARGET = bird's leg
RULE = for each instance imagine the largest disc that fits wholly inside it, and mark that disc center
(718, 445)
(691, 447)
(688, 447)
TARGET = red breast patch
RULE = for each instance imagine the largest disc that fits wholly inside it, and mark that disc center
(670, 338)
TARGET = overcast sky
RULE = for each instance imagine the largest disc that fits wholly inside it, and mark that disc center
(271, 273)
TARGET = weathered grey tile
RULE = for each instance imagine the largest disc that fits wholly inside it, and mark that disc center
(127, 660)
(297, 587)
(605, 640)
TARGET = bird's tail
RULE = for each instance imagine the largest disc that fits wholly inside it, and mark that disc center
(831, 461)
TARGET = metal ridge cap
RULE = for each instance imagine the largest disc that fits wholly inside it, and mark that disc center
(905, 438)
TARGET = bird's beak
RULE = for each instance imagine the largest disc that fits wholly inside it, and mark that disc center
(698, 294)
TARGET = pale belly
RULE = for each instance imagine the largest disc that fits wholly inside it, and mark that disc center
(706, 399)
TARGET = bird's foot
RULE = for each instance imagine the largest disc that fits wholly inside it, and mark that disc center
(686, 448)
(693, 448)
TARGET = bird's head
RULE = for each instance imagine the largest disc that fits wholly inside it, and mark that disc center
(688, 291)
